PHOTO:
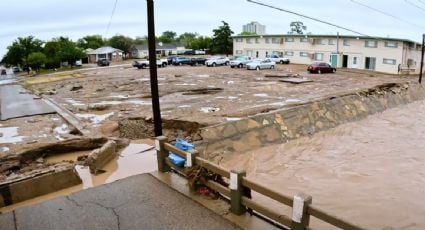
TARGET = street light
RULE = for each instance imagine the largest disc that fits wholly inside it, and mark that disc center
(153, 70)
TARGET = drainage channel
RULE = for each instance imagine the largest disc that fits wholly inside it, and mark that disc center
(137, 158)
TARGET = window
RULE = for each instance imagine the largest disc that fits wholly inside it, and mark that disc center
(303, 39)
(318, 57)
(346, 42)
(249, 40)
(289, 53)
(239, 51)
(238, 40)
(267, 40)
(290, 39)
(303, 54)
(275, 40)
(391, 44)
(389, 61)
(331, 42)
(318, 41)
(371, 44)
(257, 40)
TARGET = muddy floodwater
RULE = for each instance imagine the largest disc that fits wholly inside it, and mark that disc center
(370, 172)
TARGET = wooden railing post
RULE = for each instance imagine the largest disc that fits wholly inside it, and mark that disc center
(236, 192)
(300, 216)
(161, 154)
(190, 158)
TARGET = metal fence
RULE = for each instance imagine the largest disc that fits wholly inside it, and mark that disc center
(302, 207)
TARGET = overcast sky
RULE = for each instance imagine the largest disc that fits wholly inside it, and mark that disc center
(46, 19)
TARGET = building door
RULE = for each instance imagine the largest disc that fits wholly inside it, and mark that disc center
(355, 61)
(370, 63)
(334, 60)
(344, 61)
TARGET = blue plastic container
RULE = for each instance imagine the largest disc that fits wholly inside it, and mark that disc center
(183, 145)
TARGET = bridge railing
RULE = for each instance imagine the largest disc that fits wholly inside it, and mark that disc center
(302, 207)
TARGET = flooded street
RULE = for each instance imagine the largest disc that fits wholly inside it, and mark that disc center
(369, 172)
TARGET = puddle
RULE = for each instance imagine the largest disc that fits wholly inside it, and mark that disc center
(184, 106)
(58, 131)
(233, 118)
(293, 101)
(209, 109)
(4, 149)
(203, 75)
(10, 135)
(148, 79)
(186, 84)
(7, 81)
(93, 118)
(261, 95)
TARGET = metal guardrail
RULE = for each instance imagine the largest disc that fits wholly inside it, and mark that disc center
(301, 204)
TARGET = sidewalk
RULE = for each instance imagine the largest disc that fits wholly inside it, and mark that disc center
(138, 202)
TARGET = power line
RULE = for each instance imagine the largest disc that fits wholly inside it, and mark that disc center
(386, 14)
(110, 19)
(308, 17)
(413, 4)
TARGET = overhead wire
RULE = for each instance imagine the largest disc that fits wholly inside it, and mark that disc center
(110, 19)
(386, 14)
(308, 17)
(414, 5)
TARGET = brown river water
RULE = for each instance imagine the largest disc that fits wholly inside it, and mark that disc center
(370, 172)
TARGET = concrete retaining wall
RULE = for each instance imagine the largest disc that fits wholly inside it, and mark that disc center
(305, 119)
(48, 181)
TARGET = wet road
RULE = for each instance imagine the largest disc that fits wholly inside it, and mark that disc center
(15, 102)
(370, 172)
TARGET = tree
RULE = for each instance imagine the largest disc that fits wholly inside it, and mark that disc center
(20, 49)
(36, 60)
(222, 41)
(167, 37)
(141, 40)
(61, 49)
(187, 38)
(121, 42)
(248, 33)
(201, 43)
(91, 41)
(297, 27)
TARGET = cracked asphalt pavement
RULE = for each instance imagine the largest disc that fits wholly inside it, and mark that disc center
(138, 202)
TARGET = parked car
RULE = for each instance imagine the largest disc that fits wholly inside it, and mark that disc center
(142, 64)
(189, 52)
(197, 61)
(217, 60)
(200, 52)
(16, 69)
(3, 72)
(78, 63)
(103, 62)
(240, 61)
(321, 67)
(261, 64)
(181, 61)
(277, 59)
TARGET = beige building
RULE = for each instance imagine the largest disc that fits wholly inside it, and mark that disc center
(379, 54)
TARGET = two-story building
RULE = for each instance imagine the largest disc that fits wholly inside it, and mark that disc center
(387, 55)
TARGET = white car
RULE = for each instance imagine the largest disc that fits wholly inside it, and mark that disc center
(240, 61)
(277, 59)
(217, 60)
(261, 64)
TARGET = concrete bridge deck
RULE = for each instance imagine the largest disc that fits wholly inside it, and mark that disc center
(138, 202)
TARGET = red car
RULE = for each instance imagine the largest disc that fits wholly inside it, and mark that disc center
(321, 67)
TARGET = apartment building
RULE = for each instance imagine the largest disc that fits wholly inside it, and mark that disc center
(379, 54)
(254, 27)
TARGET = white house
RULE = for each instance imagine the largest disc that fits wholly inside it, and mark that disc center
(380, 54)
(105, 52)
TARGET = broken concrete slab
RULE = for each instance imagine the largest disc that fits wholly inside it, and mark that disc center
(38, 183)
(69, 145)
(14, 104)
(295, 80)
(98, 158)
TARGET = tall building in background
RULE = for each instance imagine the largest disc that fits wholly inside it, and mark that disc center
(254, 27)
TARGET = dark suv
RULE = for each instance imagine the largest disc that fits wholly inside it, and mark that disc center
(102, 62)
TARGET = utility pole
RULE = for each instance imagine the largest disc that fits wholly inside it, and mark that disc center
(153, 70)
(422, 59)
